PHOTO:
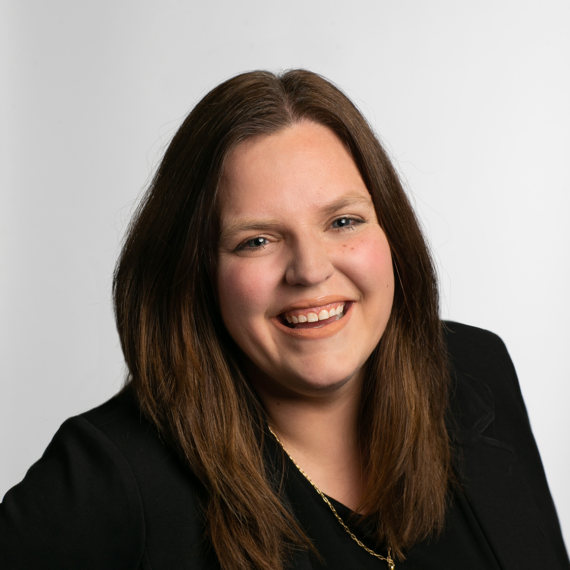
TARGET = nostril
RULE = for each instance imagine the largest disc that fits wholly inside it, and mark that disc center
(309, 274)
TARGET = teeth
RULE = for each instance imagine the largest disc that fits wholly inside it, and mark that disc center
(313, 317)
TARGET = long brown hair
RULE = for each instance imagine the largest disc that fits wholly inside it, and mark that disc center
(184, 369)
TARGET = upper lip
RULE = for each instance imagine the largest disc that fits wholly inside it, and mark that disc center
(314, 303)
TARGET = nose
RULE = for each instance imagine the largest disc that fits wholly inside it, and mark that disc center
(310, 263)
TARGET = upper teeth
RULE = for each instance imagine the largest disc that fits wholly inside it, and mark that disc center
(313, 317)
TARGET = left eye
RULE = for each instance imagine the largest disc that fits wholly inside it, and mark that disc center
(344, 223)
(255, 243)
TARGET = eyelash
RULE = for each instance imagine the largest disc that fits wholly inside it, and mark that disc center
(243, 245)
(356, 222)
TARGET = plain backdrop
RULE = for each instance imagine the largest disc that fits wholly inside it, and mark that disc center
(471, 100)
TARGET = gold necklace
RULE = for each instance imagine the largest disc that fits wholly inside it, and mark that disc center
(387, 559)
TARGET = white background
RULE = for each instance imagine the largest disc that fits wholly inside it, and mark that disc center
(470, 98)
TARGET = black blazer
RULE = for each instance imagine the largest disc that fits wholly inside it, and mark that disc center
(109, 494)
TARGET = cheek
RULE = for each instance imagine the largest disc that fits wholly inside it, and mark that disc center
(369, 262)
(244, 289)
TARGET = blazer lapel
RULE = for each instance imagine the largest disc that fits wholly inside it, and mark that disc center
(494, 483)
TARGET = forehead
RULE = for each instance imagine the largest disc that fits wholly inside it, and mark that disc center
(303, 167)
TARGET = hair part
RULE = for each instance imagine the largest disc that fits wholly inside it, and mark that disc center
(183, 365)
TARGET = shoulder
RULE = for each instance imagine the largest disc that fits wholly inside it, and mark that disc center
(467, 344)
(499, 454)
(81, 493)
(107, 481)
(120, 422)
(154, 464)
(479, 358)
(170, 494)
(485, 381)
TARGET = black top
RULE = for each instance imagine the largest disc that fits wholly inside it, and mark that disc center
(462, 545)
(109, 494)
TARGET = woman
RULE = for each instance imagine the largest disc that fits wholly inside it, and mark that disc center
(294, 400)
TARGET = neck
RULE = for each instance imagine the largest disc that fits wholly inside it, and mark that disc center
(321, 435)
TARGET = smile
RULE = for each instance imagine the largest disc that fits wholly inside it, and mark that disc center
(322, 327)
(313, 317)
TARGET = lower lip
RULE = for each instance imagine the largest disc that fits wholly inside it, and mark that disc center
(325, 331)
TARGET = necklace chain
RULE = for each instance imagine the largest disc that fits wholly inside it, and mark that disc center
(387, 559)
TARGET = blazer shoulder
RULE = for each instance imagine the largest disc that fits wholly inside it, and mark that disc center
(78, 506)
(170, 493)
(121, 407)
(149, 455)
(500, 455)
(122, 422)
(479, 353)
(463, 340)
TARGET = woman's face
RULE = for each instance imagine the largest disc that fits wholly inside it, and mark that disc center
(305, 278)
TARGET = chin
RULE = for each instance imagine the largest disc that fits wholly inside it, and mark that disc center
(298, 378)
(322, 381)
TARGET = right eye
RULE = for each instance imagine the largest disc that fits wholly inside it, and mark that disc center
(253, 244)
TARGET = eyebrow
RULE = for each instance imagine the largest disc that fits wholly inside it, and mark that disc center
(347, 200)
(252, 224)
